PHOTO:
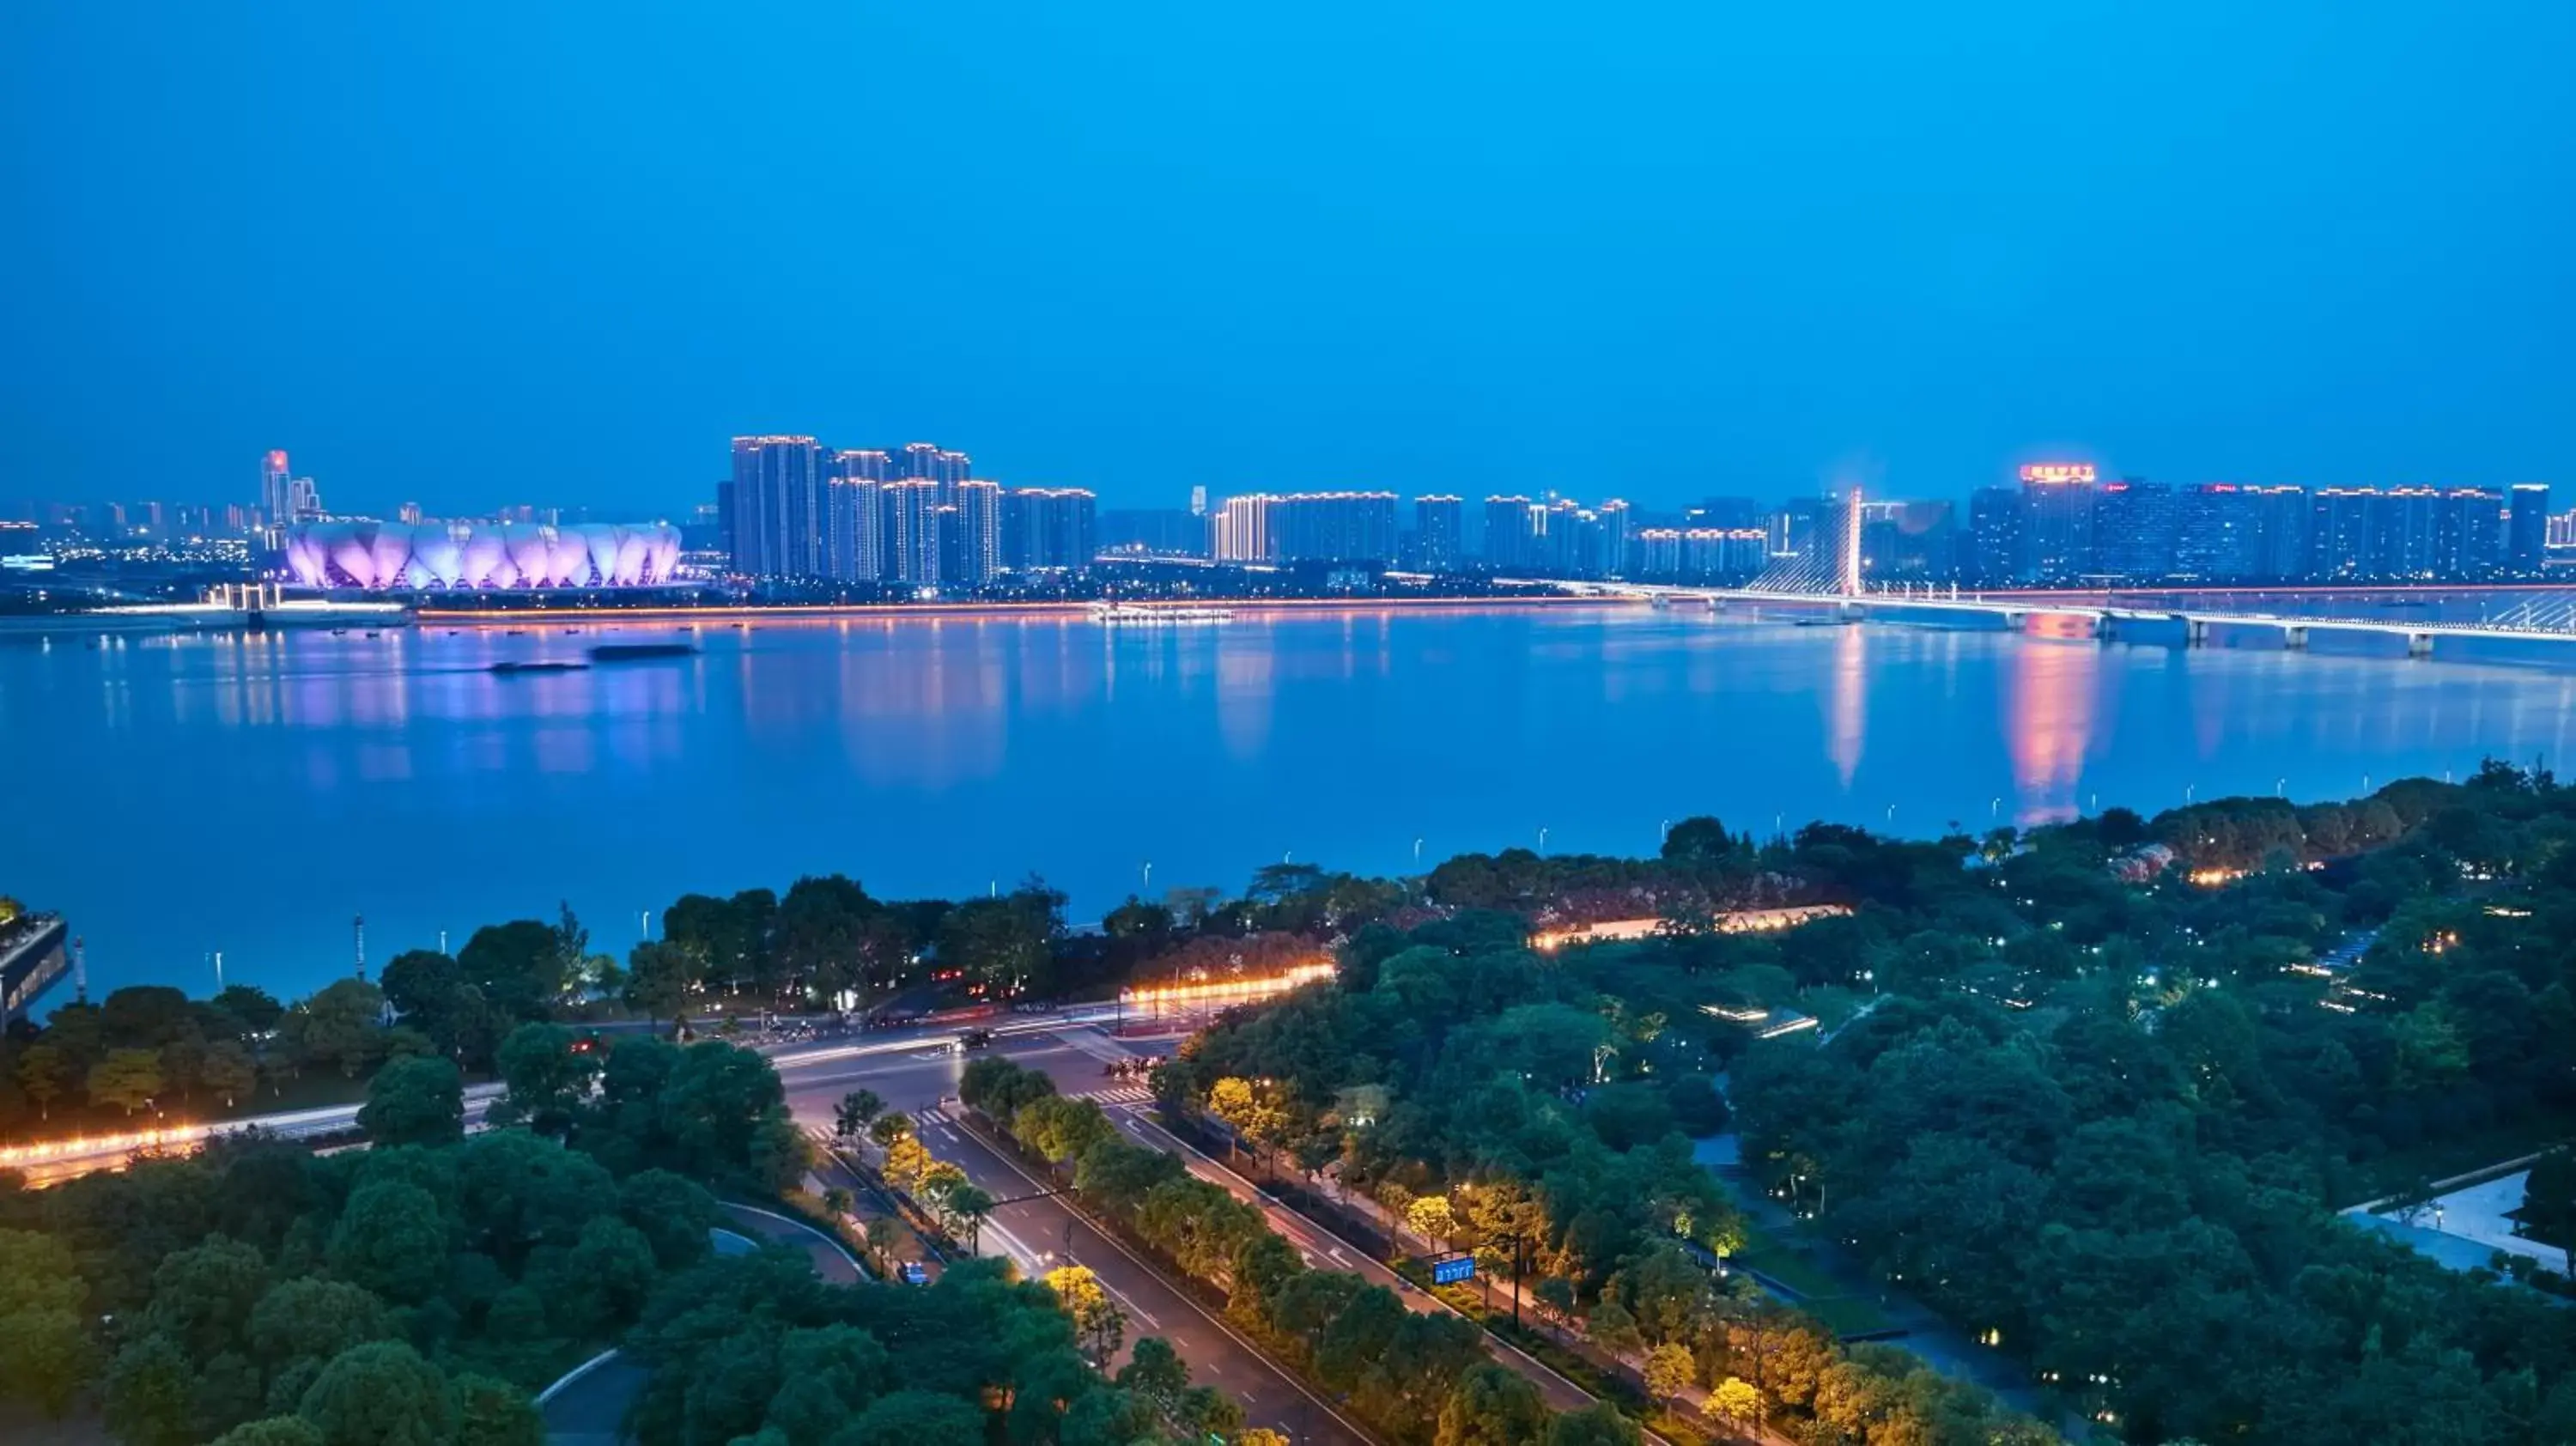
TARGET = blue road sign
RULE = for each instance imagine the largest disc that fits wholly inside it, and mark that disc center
(915, 1273)
(1450, 1270)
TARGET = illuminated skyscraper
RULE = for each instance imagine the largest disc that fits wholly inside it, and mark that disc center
(778, 507)
(912, 531)
(1243, 530)
(273, 474)
(919, 462)
(2057, 539)
(974, 552)
(866, 465)
(854, 536)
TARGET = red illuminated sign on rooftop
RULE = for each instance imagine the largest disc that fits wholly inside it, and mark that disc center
(2057, 472)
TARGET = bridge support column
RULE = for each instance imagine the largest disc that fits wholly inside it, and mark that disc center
(2195, 632)
(2012, 622)
(2419, 645)
(1849, 611)
(2294, 637)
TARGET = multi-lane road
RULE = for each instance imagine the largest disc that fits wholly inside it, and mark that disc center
(916, 1072)
(1038, 1231)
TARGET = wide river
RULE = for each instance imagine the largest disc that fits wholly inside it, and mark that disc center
(182, 795)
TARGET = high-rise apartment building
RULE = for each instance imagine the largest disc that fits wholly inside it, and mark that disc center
(1357, 527)
(2057, 539)
(778, 507)
(1049, 529)
(1513, 527)
(2339, 531)
(1243, 530)
(2526, 540)
(863, 464)
(973, 553)
(1908, 542)
(1612, 526)
(1701, 554)
(854, 529)
(911, 536)
(1994, 536)
(2469, 533)
(2136, 526)
(1440, 532)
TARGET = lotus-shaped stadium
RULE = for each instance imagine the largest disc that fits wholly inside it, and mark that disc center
(480, 554)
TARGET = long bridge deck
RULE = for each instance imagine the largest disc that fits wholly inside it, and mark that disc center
(2111, 618)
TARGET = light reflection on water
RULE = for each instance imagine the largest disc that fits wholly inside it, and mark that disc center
(248, 794)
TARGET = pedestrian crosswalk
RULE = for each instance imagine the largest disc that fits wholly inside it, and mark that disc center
(1118, 1094)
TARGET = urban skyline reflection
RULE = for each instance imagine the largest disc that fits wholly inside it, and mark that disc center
(398, 777)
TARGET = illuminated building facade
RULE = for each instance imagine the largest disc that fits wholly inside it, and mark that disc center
(778, 507)
(2057, 535)
(478, 555)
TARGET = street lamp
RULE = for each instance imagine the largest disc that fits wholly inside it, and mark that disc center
(2188, 790)
(1542, 838)
(1417, 853)
(1149, 875)
(2280, 787)
(1995, 808)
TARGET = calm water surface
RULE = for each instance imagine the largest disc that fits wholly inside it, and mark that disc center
(251, 793)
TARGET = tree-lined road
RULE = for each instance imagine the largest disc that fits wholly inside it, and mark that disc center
(1038, 1232)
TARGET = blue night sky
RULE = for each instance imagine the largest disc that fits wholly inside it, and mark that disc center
(478, 254)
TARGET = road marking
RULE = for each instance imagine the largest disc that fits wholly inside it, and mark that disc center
(1249, 1349)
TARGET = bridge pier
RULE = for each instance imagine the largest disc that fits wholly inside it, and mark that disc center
(2106, 629)
(2012, 621)
(2294, 636)
(2195, 632)
(1849, 610)
(2419, 645)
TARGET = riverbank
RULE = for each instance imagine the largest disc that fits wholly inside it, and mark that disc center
(1075, 610)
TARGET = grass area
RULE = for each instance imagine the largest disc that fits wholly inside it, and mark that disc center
(1820, 1295)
